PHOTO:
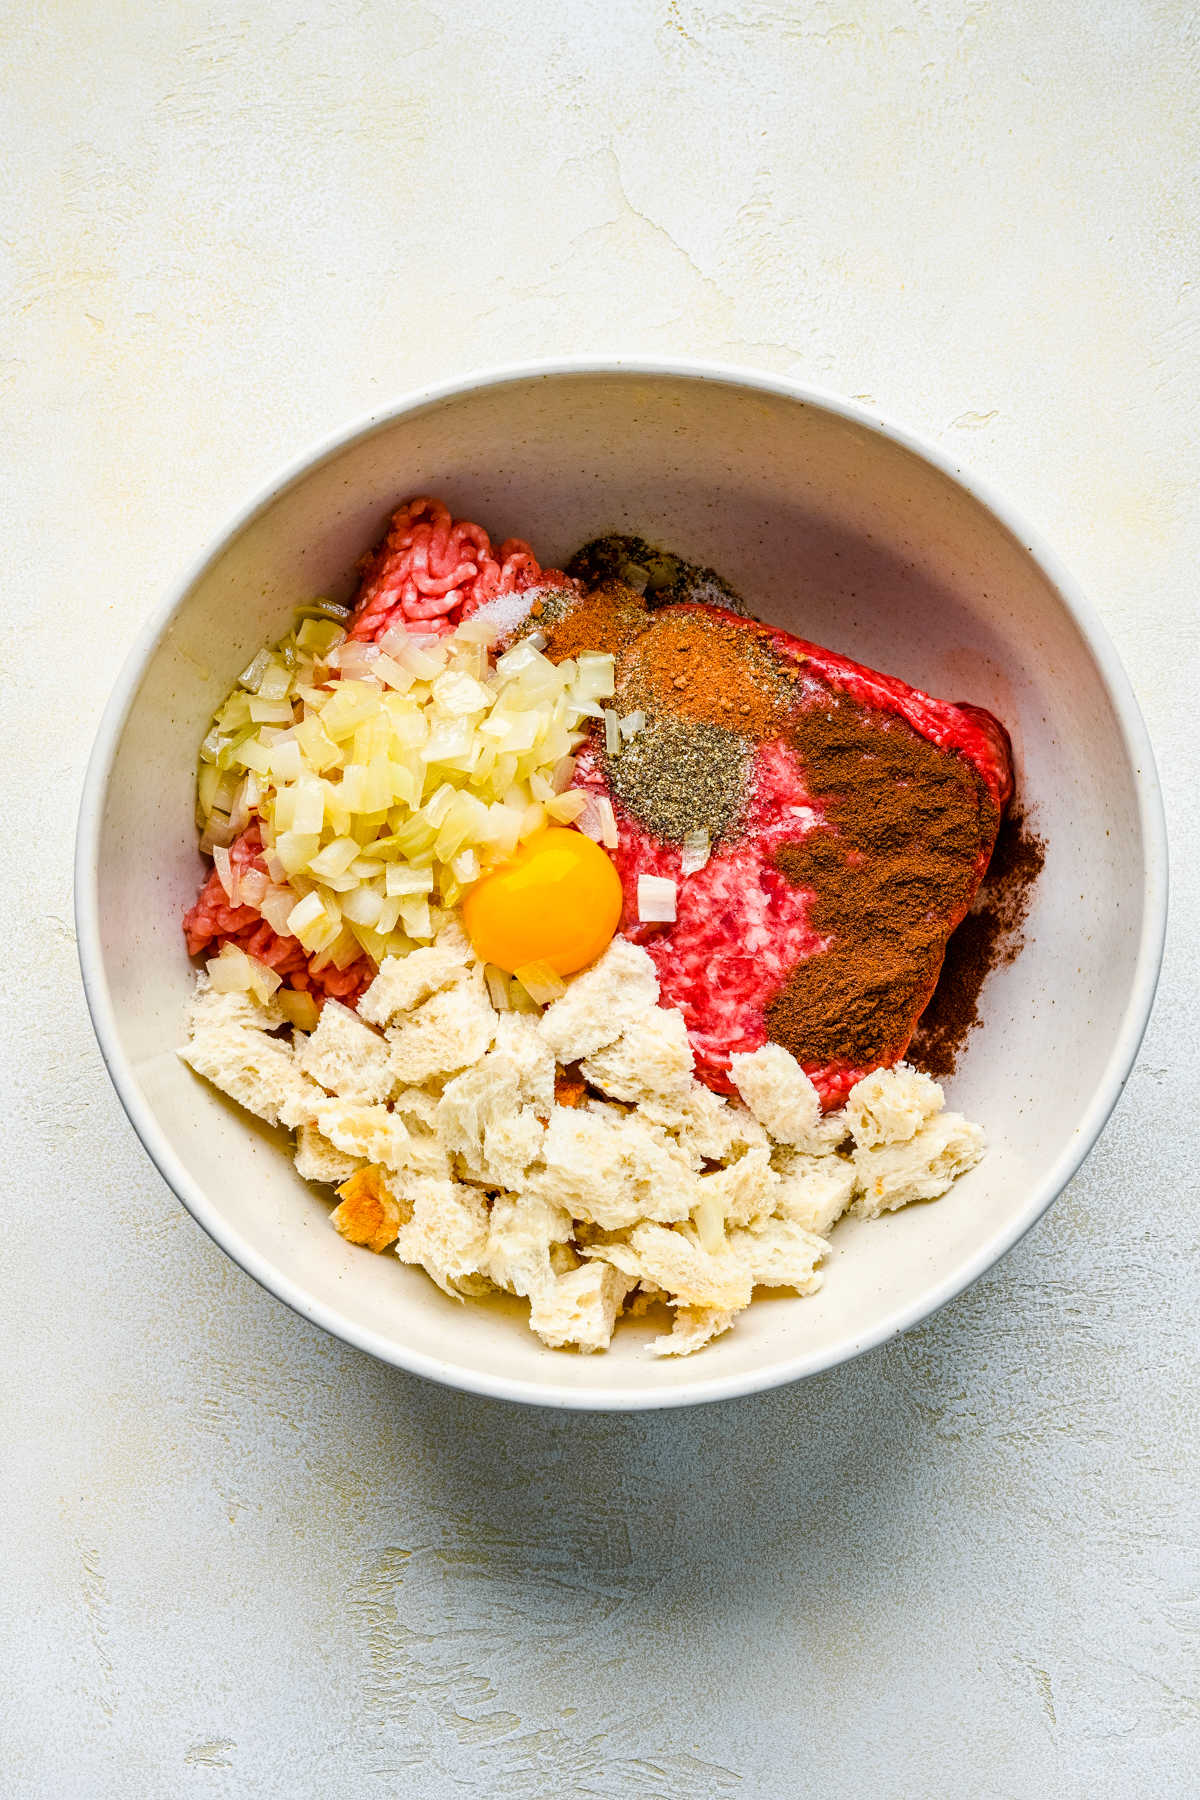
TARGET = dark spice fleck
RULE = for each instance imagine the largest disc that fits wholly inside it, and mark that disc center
(668, 577)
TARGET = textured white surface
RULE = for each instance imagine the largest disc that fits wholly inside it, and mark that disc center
(240, 1559)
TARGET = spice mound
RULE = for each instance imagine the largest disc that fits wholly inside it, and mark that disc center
(797, 836)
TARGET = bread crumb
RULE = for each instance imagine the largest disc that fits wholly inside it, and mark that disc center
(369, 1213)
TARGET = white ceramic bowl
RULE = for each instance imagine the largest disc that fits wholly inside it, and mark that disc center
(835, 525)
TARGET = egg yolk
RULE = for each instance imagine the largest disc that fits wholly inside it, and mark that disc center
(558, 901)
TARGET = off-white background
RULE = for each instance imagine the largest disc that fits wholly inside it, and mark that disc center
(241, 1560)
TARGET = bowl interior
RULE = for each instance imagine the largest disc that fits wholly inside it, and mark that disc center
(828, 527)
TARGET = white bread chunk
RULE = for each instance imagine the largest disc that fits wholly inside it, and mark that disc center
(601, 1003)
(613, 1169)
(742, 1191)
(480, 1120)
(512, 1143)
(693, 1327)
(449, 1032)
(889, 1106)
(814, 1191)
(403, 982)
(258, 1071)
(472, 1101)
(707, 1126)
(784, 1100)
(209, 1009)
(922, 1168)
(317, 1159)
(379, 1136)
(777, 1253)
(651, 1060)
(446, 1235)
(580, 1308)
(346, 1056)
(417, 1107)
(522, 1232)
(672, 1260)
(519, 1037)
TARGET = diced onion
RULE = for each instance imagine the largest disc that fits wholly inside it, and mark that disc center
(709, 1220)
(697, 848)
(612, 732)
(656, 897)
(541, 982)
(299, 1008)
(632, 723)
(566, 809)
(497, 986)
(226, 873)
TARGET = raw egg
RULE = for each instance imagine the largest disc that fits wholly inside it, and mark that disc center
(558, 901)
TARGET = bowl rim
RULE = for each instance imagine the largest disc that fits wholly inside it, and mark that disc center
(557, 1392)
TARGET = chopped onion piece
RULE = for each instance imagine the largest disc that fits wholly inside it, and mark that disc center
(612, 732)
(401, 879)
(656, 896)
(299, 1008)
(541, 982)
(253, 887)
(596, 674)
(632, 723)
(608, 822)
(709, 1219)
(497, 986)
(566, 808)
(251, 676)
(697, 848)
(226, 874)
(230, 972)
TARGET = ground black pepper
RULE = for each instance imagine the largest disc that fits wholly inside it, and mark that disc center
(679, 775)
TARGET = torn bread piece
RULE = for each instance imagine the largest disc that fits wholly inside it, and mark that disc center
(260, 1072)
(317, 1159)
(744, 1190)
(675, 1261)
(519, 1037)
(889, 1106)
(346, 1056)
(601, 1003)
(813, 1191)
(651, 1060)
(370, 1212)
(380, 1136)
(480, 1119)
(778, 1253)
(446, 1234)
(613, 1169)
(922, 1168)
(580, 1309)
(446, 1033)
(692, 1328)
(784, 1100)
(212, 1009)
(404, 982)
(523, 1231)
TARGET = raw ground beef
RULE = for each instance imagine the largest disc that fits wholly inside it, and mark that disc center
(741, 926)
(213, 922)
